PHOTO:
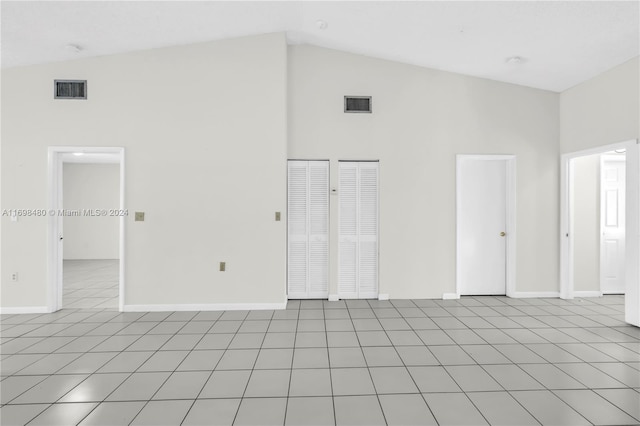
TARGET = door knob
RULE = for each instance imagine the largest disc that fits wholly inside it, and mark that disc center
(502, 234)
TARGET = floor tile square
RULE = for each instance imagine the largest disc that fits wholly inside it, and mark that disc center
(451, 355)
(416, 355)
(310, 358)
(310, 411)
(342, 339)
(268, 383)
(13, 386)
(311, 340)
(247, 341)
(312, 382)
(214, 341)
(381, 357)
(254, 327)
(126, 362)
(392, 380)
(238, 359)
(485, 354)
(261, 412)
(279, 340)
(590, 376)
(346, 357)
(373, 338)
(434, 337)
(628, 400)
(548, 409)
(551, 376)
(274, 359)
(358, 410)
(351, 381)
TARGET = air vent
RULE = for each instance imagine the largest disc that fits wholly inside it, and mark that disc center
(70, 89)
(357, 104)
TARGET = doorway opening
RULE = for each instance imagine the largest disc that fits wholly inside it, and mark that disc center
(86, 228)
(600, 244)
(485, 225)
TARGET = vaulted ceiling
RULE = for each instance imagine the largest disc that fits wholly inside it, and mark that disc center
(559, 43)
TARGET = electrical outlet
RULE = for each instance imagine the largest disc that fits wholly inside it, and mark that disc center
(223, 266)
(14, 276)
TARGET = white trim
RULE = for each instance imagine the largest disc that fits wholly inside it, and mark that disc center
(587, 293)
(510, 202)
(535, 294)
(450, 296)
(383, 297)
(333, 298)
(24, 310)
(54, 253)
(205, 307)
(566, 224)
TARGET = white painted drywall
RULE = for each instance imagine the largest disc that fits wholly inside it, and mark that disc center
(421, 119)
(603, 110)
(92, 187)
(204, 132)
(586, 224)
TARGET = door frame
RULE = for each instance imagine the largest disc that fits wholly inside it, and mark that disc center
(55, 189)
(604, 158)
(510, 203)
(632, 197)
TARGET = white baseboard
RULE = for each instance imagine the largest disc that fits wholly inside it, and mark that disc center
(587, 294)
(383, 297)
(450, 296)
(10, 310)
(531, 294)
(333, 298)
(206, 307)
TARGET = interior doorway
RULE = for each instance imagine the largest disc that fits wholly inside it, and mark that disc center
(612, 221)
(86, 228)
(622, 212)
(485, 222)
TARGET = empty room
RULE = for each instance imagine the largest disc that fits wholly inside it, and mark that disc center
(320, 213)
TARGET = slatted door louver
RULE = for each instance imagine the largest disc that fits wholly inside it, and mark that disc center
(308, 229)
(358, 233)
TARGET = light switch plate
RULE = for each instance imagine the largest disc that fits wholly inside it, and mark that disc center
(139, 217)
(223, 266)
(277, 216)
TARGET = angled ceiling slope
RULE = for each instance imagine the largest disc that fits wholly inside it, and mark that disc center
(559, 43)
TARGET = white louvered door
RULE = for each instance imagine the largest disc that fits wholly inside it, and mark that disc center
(308, 229)
(358, 230)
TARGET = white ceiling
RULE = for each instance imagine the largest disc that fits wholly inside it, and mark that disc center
(562, 42)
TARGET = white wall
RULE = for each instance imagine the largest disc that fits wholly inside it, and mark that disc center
(603, 110)
(586, 223)
(421, 119)
(204, 132)
(91, 187)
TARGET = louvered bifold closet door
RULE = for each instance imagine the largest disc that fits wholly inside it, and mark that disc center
(358, 230)
(308, 229)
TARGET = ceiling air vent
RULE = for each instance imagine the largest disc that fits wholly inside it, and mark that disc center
(357, 104)
(70, 89)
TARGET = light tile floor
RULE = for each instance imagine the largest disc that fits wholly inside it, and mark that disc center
(473, 361)
(90, 284)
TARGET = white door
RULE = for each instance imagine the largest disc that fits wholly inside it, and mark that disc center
(612, 223)
(358, 230)
(308, 230)
(482, 221)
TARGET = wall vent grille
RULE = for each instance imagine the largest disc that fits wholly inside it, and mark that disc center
(357, 104)
(70, 89)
